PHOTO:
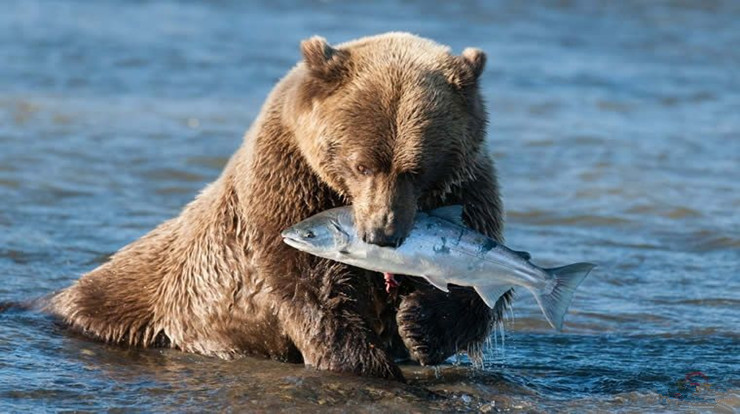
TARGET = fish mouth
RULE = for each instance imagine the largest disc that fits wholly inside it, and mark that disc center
(292, 240)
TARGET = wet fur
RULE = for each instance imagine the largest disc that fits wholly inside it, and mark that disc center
(217, 279)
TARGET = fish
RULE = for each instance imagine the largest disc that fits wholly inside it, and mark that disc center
(443, 250)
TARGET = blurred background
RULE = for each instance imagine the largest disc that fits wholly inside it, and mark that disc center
(616, 134)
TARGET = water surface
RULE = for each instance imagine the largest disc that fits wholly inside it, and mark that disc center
(617, 140)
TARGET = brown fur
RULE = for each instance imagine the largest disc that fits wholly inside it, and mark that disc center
(392, 124)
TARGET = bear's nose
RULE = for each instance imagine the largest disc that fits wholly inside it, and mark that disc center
(380, 238)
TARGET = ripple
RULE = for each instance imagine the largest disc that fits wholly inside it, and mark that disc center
(209, 162)
(10, 183)
(704, 240)
(704, 302)
(173, 190)
(547, 218)
(164, 174)
(23, 257)
(682, 213)
(700, 334)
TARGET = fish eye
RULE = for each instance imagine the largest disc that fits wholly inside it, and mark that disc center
(308, 234)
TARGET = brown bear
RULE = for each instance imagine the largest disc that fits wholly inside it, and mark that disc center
(389, 124)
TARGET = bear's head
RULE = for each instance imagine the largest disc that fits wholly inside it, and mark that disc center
(388, 121)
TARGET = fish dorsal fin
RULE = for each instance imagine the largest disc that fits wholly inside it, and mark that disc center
(522, 254)
(491, 293)
(437, 282)
(452, 213)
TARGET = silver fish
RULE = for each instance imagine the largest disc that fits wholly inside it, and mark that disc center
(442, 250)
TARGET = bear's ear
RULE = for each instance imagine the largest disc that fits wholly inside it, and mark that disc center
(472, 62)
(475, 59)
(322, 60)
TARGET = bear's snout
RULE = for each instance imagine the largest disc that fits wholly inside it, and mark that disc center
(387, 228)
(386, 236)
(385, 214)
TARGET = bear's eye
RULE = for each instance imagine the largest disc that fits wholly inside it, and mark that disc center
(364, 170)
(412, 175)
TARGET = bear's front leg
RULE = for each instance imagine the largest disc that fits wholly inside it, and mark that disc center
(326, 320)
(435, 325)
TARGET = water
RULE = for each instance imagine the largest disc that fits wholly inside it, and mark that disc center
(616, 134)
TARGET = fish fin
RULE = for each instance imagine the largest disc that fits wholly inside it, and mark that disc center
(452, 214)
(491, 293)
(555, 303)
(437, 282)
(522, 254)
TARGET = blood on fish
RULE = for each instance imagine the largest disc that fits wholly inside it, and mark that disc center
(390, 282)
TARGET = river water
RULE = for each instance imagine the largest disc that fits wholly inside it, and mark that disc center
(614, 125)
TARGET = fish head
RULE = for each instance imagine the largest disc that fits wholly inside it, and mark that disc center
(328, 234)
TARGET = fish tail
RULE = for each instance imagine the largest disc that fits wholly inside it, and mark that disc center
(555, 303)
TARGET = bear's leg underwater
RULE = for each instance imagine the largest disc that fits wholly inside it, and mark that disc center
(332, 330)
